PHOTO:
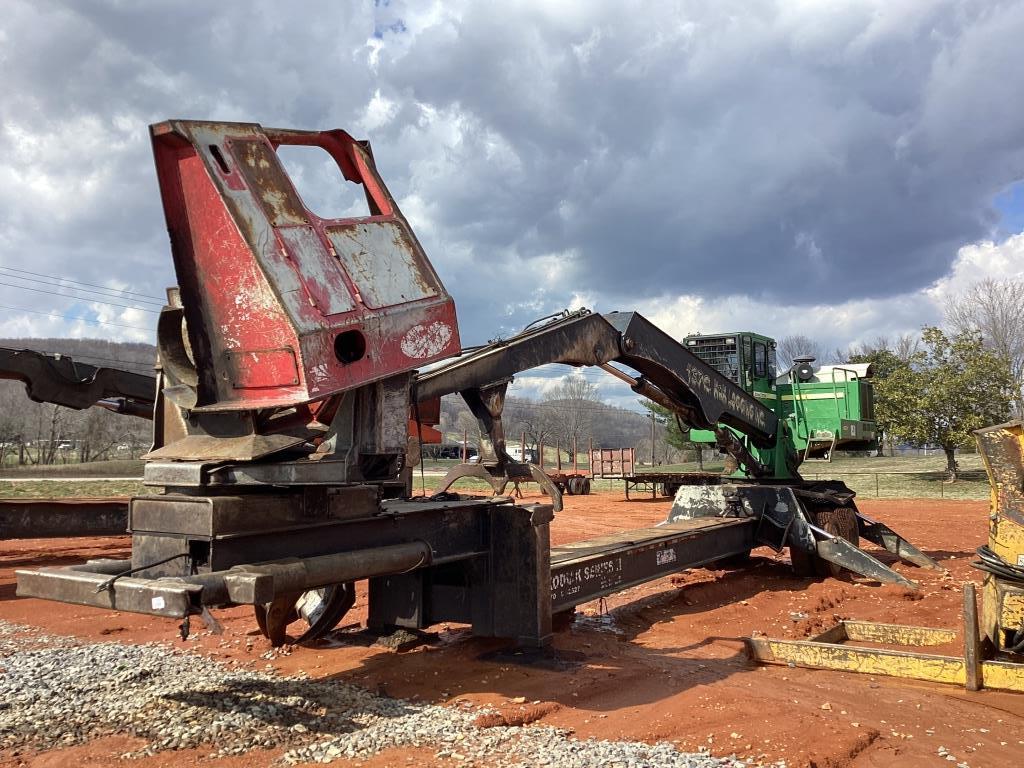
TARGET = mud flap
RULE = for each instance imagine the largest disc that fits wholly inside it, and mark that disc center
(885, 537)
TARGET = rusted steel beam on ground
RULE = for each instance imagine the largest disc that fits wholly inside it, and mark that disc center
(60, 518)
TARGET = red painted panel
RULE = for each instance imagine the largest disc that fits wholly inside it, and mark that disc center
(277, 315)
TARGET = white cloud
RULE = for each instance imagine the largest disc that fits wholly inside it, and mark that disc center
(987, 259)
(846, 320)
(379, 112)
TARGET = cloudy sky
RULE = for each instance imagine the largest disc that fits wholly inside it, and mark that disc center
(827, 168)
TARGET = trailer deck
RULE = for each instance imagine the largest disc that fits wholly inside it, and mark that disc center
(663, 483)
(586, 570)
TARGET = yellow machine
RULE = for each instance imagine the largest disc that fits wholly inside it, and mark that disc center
(1002, 605)
(993, 647)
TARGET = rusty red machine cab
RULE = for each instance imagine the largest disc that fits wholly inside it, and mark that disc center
(281, 306)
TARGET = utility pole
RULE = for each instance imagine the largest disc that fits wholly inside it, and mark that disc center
(652, 439)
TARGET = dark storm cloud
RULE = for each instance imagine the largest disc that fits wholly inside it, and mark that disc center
(716, 147)
(795, 153)
(83, 82)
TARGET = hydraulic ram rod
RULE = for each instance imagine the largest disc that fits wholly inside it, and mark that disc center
(94, 583)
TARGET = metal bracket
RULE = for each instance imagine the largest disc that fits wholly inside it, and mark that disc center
(829, 651)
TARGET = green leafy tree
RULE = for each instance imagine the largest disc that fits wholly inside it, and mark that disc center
(951, 387)
(884, 362)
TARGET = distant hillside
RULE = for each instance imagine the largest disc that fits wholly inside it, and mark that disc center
(561, 421)
(130, 355)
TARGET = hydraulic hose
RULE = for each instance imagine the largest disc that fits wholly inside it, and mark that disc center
(1014, 574)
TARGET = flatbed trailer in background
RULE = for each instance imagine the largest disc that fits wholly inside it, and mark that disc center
(620, 465)
(571, 479)
(665, 483)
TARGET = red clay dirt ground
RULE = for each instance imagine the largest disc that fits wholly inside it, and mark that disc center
(658, 662)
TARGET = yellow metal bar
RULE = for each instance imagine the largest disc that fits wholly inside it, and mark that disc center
(1002, 676)
(931, 668)
(897, 634)
(870, 661)
(816, 396)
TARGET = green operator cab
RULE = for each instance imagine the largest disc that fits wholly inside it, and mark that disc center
(822, 408)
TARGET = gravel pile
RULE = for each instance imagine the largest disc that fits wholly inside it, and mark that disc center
(57, 692)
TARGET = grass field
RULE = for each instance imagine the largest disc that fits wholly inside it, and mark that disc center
(115, 468)
(47, 489)
(902, 477)
(908, 477)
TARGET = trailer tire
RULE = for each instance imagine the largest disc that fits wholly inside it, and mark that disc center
(586, 486)
(670, 489)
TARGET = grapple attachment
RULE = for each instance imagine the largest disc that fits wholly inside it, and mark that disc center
(818, 522)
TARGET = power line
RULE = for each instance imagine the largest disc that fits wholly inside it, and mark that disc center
(77, 356)
(52, 284)
(595, 407)
(81, 298)
(75, 319)
(79, 282)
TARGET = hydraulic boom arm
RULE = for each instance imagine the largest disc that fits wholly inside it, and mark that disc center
(669, 375)
(61, 380)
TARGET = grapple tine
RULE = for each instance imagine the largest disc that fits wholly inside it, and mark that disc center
(885, 537)
(499, 482)
(844, 554)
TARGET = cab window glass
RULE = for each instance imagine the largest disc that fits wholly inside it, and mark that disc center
(760, 361)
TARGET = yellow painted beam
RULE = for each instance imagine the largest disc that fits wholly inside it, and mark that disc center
(897, 634)
(930, 668)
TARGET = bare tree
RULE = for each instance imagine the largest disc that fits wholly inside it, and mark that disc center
(467, 424)
(534, 421)
(97, 434)
(51, 421)
(572, 407)
(12, 419)
(902, 349)
(995, 309)
(906, 347)
(794, 346)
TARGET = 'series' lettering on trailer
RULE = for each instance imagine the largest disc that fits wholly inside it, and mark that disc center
(729, 398)
(606, 574)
